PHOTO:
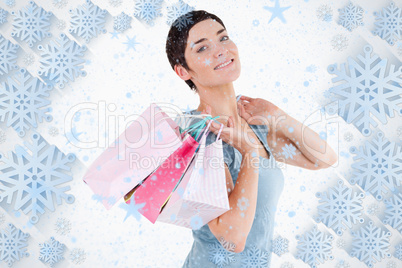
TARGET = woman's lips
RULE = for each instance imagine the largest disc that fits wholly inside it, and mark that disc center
(232, 60)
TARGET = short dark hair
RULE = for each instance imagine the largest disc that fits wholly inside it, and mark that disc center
(176, 41)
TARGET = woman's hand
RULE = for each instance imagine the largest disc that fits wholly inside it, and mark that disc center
(256, 111)
(232, 134)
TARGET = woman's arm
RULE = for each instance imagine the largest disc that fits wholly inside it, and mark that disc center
(232, 228)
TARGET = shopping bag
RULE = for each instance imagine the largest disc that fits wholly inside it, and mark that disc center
(202, 194)
(156, 189)
(153, 137)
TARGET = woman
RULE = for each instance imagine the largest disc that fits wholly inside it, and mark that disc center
(202, 54)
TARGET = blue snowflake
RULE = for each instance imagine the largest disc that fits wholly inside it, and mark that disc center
(367, 90)
(393, 212)
(131, 42)
(148, 10)
(288, 151)
(280, 246)
(62, 60)
(398, 251)
(378, 167)
(31, 24)
(87, 21)
(132, 208)
(219, 255)
(277, 11)
(324, 13)
(351, 16)
(122, 22)
(255, 258)
(341, 207)
(23, 99)
(8, 55)
(389, 24)
(370, 244)
(13, 243)
(35, 178)
(10, 3)
(177, 15)
(51, 251)
(314, 247)
(3, 16)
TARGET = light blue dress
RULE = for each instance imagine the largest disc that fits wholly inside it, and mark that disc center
(206, 250)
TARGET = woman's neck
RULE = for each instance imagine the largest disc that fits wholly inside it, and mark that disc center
(222, 102)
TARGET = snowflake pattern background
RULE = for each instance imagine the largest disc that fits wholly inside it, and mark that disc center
(87, 21)
(366, 90)
(13, 243)
(8, 56)
(51, 251)
(351, 16)
(389, 23)
(24, 99)
(148, 10)
(179, 10)
(377, 166)
(31, 24)
(46, 171)
(370, 244)
(62, 61)
(340, 207)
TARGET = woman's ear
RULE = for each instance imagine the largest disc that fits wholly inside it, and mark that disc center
(182, 72)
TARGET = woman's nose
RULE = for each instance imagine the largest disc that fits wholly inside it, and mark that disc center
(221, 51)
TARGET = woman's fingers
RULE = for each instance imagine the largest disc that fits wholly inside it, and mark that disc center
(246, 98)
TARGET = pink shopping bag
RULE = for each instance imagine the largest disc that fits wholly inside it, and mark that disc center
(158, 186)
(153, 136)
(202, 194)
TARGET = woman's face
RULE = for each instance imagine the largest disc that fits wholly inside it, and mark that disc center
(209, 46)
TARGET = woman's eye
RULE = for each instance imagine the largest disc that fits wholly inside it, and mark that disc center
(199, 50)
(225, 36)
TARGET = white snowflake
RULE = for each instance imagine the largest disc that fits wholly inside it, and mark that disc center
(53, 131)
(393, 212)
(8, 55)
(77, 255)
(148, 10)
(87, 21)
(342, 264)
(3, 16)
(389, 24)
(370, 244)
(280, 246)
(28, 59)
(51, 251)
(367, 90)
(62, 61)
(373, 209)
(348, 136)
(287, 265)
(3, 136)
(391, 264)
(63, 226)
(122, 22)
(399, 132)
(60, 3)
(35, 178)
(255, 257)
(31, 24)
(377, 166)
(351, 16)
(24, 98)
(340, 243)
(314, 247)
(324, 13)
(10, 3)
(61, 25)
(340, 208)
(115, 3)
(218, 255)
(288, 151)
(13, 243)
(243, 203)
(339, 42)
(177, 10)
